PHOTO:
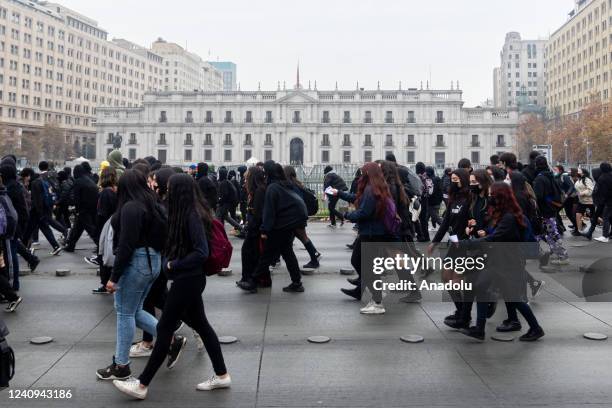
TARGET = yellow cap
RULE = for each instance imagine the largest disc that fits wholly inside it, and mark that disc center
(104, 165)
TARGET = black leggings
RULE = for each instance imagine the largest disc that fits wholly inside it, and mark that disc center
(356, 263)
(279, 243)
(156, 298)
(184, 301)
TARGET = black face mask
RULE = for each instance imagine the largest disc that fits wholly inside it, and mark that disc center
(475, 189)
(454, 188)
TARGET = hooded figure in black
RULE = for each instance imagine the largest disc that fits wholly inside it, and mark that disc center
(207, 186)
(242, 193)
(85, 193)
(228, 199)
(602, 198)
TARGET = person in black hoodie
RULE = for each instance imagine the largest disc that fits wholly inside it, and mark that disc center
(228, 199)
(85, 193)
(107, 205)
(455, 222)
(335, 181)
(284, 211)
(548, 197)
(207, 186)
(64, 198)
(530, 171)
(190, 223)
(242, 192)
(602, 195)
(250, 253)
(435, 199)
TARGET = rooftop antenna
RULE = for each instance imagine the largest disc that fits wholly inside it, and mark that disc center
(259, 86)
(284, 86)
(278, 86)
(430, 78)
(315, 88)
(421, 85)
(400, 85)
(309, 85)
(297, 84)
(336, 85)
(452, 86)
(378, 86)
(457, 84)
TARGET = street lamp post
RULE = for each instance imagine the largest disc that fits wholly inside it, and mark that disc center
(565, 146)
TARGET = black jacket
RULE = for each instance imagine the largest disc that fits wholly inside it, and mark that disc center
(65, 196)
(455, 220)
(335, 181)
(107, 205)
(38, 195)
(16, 193)
(255, 212)
(209, 190)
(85, 194)
(530, 173)
(602, 193)
(435, 198)
(545, 191)
(192, 263)
(283, 209)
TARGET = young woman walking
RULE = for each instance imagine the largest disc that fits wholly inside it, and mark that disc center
(190, 222)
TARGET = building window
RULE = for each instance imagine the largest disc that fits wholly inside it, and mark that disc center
(297, 118)
(346, 140)
(439, 117)
(367, 141)
(325, 140)
(132, 154)
(162, 139)
(388, 140)
(228, 117)
(248, 141)
(209, 117)
(162, 117)
(388, 117)
(440, 159)
(268, 139)
(228, 139)
(346, 156)
(347, 117)
(325, 156)
(247, 154)
(410, 141)
(207, 155)
(475, 157)
(410, 157)
(439, 140)
(411, 118)
(208, 139)
(267, 155)
(189, 117)
(475, 141)
(187, 154)
(368, 117)
(501, 141)
(132, 140)
(249, 117)
(227, 155)
(367, 156)
(188, 140)
(268, 117)
(161, 156)
(325, 118)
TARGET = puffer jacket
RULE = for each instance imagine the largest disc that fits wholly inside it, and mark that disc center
(584, 187)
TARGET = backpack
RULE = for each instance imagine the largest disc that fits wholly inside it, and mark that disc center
(7, 358)
(8, 218)
(106, 244)
(412, 184)
(311, 201)
(558, 195)
(48, 196)
(391, 220)
(220, 250)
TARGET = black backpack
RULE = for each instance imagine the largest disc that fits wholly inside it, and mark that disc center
(311, 201)
(7, 358)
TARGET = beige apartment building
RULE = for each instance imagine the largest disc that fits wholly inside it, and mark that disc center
(579, 58)
(57, 66)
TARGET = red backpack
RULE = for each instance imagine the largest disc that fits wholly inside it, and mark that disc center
(220, 250)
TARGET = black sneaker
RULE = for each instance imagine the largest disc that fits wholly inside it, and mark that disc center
(100, 291)
(294, 287)
(311, 265)
(176, 348)
(350, 246)
(473, 332)
(457, 324)
(354, 281)
(247, 287)
(509, 326)
(453, 317)
(532, 335)
(354, 293)
(92, 260)
(57, 250)
(13, 305)
(318, 255)
(34, 264)
(114, 372)
(536, 286)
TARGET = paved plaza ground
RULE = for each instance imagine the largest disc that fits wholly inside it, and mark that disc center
(273, 365)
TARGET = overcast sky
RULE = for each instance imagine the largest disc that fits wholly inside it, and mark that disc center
(338, 40)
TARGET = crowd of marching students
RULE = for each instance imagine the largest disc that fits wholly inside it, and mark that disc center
(159, 232)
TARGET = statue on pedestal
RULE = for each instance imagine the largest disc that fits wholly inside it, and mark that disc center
(117, 139)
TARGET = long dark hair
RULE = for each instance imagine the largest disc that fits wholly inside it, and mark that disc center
(292, 176)
(504, 203)
(108, 177)
(184, 197)
(255, 178)
(464, 190)
(132, 186)
(372, 177)
(392, 177)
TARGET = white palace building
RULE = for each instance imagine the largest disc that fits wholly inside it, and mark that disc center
(307, 126)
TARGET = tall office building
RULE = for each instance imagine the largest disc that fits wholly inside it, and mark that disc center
(579, 58)
(229, 72)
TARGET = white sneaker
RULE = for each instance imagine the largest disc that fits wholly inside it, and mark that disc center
(373, 308)
(215, 382)
(140, 350)
(132, 387)
(602, 239)
(198, 340)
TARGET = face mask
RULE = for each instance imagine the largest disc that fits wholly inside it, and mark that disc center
(475, 189)
(454, 187)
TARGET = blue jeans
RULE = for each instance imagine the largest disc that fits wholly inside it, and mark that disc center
(15, 264)
(132, 289)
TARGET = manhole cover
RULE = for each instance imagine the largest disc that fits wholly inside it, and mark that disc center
(319, 339)
(41, 340)
(347, 271)
(227, 339)
(62, 272)
(225, 272)
(595, 336)
(503, 337)
(412, 338)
